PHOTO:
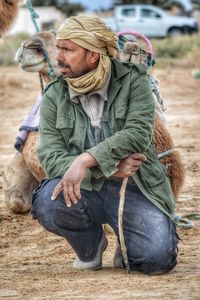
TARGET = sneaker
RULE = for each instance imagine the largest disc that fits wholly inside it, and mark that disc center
(118, 257)
(96, 262)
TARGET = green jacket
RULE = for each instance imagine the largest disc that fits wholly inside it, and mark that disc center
(130, 116)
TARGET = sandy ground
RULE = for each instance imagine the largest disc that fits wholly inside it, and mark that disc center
(35, 264)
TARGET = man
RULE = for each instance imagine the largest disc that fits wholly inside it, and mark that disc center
(95, 129)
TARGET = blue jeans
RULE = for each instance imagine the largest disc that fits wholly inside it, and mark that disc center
(150, 236)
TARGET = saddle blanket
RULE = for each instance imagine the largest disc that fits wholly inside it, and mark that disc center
(30, 123)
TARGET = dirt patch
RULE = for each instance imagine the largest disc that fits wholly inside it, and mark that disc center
(38, 265)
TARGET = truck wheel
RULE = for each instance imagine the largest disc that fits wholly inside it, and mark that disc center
(173, 32)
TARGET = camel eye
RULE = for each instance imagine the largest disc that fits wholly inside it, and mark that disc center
(36, 45)
(38, 48)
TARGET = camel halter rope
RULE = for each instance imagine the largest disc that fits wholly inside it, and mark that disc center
(34, 16)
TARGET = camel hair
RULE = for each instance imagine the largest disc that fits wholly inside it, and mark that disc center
(8, 13)
(24, 172)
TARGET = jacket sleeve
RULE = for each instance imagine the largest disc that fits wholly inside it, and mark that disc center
(136, 135)
(52, 151)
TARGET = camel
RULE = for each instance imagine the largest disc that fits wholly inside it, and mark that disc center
(18, 199)
(8, 13)
(24, 171)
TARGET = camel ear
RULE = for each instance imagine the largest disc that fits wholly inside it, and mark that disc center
(53, 31)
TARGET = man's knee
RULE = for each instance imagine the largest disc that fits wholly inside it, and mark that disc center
(55, 214)
(43, 209)
(156, 263)
(156, 260)
(41, 200)
(151, 268)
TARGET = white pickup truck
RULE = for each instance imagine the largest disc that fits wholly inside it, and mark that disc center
(149, 20)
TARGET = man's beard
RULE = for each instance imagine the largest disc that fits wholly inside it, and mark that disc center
(72, 74)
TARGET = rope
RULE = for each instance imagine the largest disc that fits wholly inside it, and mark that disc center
(168, 152)
(35, 16)
(183, 222)
(51, 71)
(193, 216)
(41, 83)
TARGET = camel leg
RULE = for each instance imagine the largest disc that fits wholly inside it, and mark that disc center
(18, 185)
(30, 156)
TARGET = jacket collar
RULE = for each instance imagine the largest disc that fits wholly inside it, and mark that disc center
(118, 71)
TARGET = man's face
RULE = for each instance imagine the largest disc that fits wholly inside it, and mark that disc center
(73, 60)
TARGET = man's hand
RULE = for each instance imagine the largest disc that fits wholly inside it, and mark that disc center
(71, 182)
(129, 165)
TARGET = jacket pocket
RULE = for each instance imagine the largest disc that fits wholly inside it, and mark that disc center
(155, 175)
(120, 116)
(154, 171)
(65, 124)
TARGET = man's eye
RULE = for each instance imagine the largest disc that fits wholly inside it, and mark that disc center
(64, 49)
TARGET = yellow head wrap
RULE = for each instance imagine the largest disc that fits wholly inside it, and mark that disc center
(90, 33)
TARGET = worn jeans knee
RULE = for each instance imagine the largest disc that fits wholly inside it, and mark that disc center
(74, 223)
(41, 204)
(150, 236)
(55, 214)
(161, 258)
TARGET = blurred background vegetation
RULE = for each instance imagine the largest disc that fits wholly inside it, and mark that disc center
(182, 51)
(9, 46)
(70, 8)
(65, 6)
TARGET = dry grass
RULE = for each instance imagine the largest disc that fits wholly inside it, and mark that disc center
(180, 51)
(8, 48)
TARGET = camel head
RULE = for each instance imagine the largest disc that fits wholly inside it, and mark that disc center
(8, 12)
(31, 54)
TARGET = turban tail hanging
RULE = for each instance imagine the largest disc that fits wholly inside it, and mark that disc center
(92, 34)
